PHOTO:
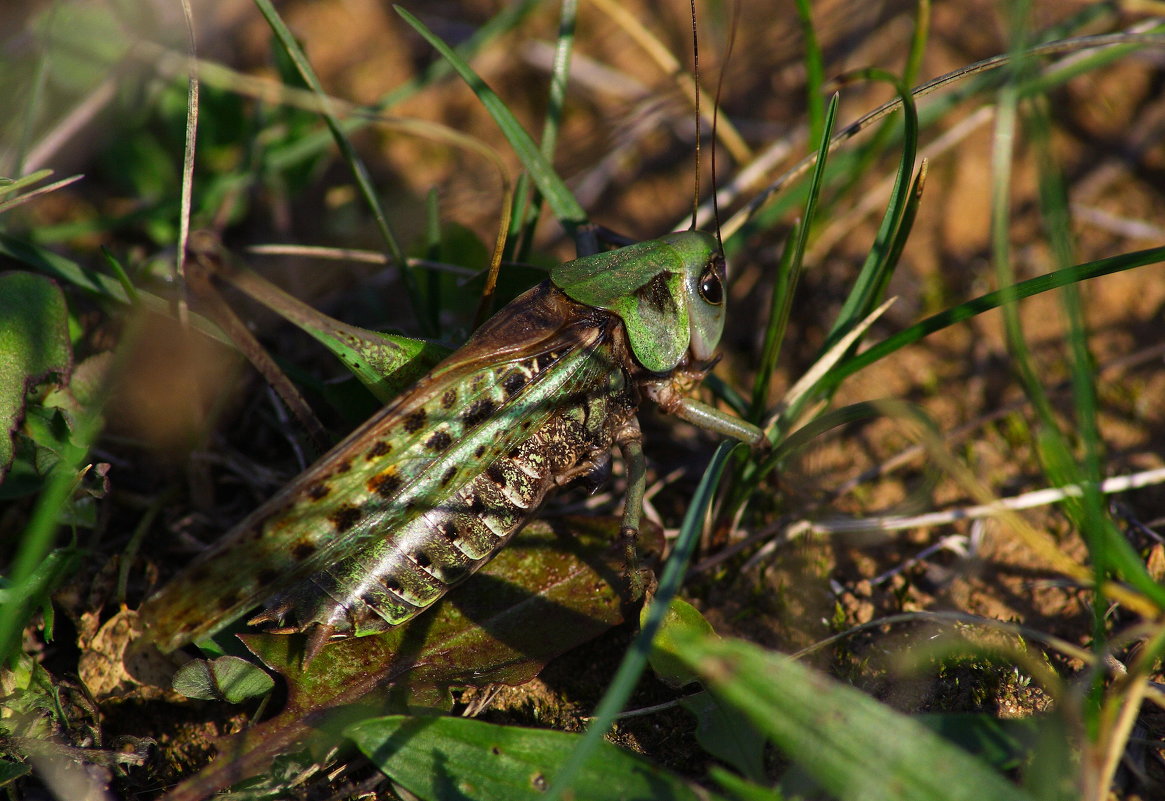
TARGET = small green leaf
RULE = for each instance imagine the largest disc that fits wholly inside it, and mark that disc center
(681, 617)
(34, 346)
(227, 678)
(438, 758)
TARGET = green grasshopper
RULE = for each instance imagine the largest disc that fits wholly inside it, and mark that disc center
(429, 489)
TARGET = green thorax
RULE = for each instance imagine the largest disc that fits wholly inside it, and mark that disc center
(668, 292)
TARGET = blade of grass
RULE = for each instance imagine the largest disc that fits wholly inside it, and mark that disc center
(993, 300)
(636, 658)
(787, 277)
(505, 20)
(775, 330)
(555, 102)
(355, 163)
(878, 267)
(1109, 550)
(20, 200)
(814, 73)
(853, 746)
(560, 198)
(188, 149)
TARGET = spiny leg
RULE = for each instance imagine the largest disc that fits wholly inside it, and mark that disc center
(630, 441)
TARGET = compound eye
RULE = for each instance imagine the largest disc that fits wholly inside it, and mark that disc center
(712, 287)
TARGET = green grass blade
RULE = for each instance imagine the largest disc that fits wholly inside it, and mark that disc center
(311, 144)
(993, 300)
(785, 287)
(359, 171)
(814, 72)
(131, 291)
(555, 103)
(774, 331)
(875, 273)
(856, 748)
(10, 185)
(1109, 551)
(636, 658)
(560, 198)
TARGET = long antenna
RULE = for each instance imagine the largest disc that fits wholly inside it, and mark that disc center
(696, 81)
(716, 117)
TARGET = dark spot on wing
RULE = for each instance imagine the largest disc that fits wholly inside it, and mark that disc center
(449, 529)
(439, 441)
(545, 360)
(449, 474)
(422, 559)
(267, 576)
(317, 492)
(479, 451)
(414, 421)
(449, 398)
(385, 484)
(513, 383)
(480, 410)
(227, 600)
(345, 517)
(379, 448)
(342, 468)
(302, 550)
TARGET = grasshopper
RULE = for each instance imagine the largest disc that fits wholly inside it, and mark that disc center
(429, 489)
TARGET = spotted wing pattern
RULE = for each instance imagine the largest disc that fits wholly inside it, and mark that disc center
(423, 493)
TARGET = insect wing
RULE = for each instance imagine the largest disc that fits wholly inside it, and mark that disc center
(360, 488)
